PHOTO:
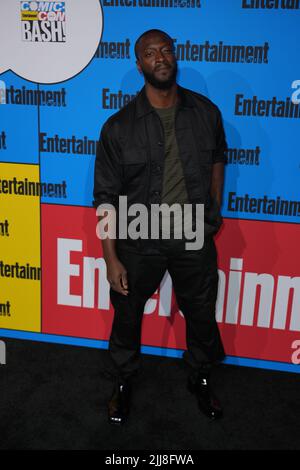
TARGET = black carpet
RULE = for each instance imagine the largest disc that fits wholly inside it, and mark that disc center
(54, 397)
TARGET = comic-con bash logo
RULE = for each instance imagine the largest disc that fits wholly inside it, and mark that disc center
(43, 21)
(44, 41)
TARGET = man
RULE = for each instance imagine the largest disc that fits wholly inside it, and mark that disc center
(166, 146)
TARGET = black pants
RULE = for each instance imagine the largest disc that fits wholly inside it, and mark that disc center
(194, 276)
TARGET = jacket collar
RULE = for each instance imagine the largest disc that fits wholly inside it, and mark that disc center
(143, 105)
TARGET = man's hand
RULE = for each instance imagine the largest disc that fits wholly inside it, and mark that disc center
(117, 276)
(116, 272)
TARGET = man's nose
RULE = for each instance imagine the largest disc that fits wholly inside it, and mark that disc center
(159, 57)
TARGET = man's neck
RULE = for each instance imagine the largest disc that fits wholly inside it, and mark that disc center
(162, 98)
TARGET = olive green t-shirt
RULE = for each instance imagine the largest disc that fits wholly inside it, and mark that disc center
(174, 188)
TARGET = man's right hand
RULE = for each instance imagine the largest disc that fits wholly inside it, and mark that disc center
(117, 276)
(116, 272)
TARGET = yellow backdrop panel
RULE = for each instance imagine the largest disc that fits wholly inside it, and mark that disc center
(20, 273)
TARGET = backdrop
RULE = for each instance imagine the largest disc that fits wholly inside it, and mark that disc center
(65, 68)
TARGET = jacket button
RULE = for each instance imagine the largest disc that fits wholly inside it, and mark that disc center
(158, 168)
(160, 143)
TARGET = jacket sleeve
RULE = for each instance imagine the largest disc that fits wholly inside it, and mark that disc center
(221, 145)
(108, 169)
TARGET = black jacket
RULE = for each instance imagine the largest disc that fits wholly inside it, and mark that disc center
(130, 156)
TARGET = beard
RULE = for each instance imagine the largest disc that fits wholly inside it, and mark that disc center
(161, 84)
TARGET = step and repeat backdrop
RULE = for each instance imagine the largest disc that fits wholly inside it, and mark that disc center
(65, 67)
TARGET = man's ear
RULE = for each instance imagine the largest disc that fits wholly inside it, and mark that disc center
(138, 66)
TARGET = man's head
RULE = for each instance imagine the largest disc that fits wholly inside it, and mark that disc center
(154, 51)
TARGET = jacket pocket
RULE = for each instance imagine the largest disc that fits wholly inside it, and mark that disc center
(134, 167)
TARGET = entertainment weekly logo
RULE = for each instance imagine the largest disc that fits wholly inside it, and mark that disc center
(264, 300)
(272, 291)
(43, 21)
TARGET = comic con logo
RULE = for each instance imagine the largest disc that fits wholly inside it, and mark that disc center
(43, 21)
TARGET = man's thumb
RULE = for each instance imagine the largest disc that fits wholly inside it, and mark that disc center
(124, 280)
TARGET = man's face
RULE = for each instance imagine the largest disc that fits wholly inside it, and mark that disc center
(156, 61)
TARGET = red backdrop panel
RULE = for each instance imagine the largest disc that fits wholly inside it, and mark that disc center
(257, 311)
